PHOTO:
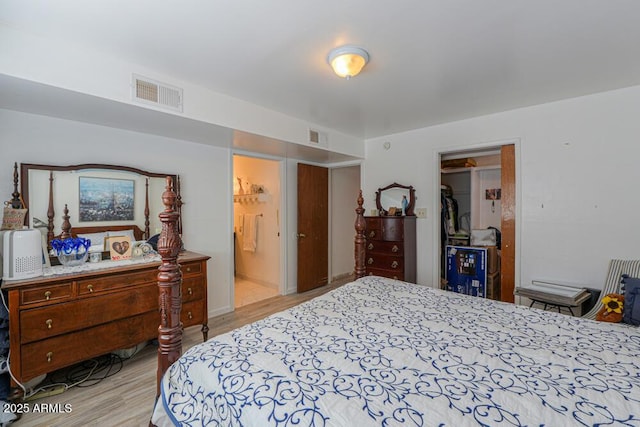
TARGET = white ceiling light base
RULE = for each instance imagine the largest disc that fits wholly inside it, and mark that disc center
(347, 61)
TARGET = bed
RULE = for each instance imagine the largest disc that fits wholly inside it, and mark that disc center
(383, 352)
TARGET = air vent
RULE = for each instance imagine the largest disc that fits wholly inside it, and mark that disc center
(317, 137)
(151, 92)
(314, 136)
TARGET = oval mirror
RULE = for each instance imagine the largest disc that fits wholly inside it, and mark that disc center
(389, 200)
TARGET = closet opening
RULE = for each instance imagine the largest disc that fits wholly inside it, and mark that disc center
(473, 221)
(256, 229)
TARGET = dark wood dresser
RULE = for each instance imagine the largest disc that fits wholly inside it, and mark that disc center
(59, 320)
(391, 247)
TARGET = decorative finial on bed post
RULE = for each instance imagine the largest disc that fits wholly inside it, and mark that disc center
(360, 239)
(16, 202)
(169, 285)
(66, 225)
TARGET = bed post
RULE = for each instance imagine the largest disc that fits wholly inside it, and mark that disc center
(179, 203)
(360, 239)
(16, 200)
(169, 286)
(146, 210)
(50, 212)
(66, 225)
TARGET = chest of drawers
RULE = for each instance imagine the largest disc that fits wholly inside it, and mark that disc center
(61, 320)
(390, 250)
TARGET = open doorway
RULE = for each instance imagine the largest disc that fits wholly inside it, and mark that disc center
(477, 220)
(256, 229)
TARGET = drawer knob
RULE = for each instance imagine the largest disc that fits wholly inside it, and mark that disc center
(90, 287)
(395, 277)
(188, 269)
(47, 295)
(394, 264)
(189, 315)
(370, 261)
(189, 291)
(372, 234)
(49, 323)
(395, 249)
(370, 247)
(49, 356)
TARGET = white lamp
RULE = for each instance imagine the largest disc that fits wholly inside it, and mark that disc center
(347, 61)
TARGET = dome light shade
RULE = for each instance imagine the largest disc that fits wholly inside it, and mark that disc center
(347, 61)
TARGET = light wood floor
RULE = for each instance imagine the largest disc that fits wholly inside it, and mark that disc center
(126, 398)
(249, 292)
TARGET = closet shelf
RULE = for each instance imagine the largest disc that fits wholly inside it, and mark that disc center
(470, 169)
(250, 198)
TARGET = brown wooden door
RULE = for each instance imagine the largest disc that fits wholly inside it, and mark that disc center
(313, 227)
(508, 222)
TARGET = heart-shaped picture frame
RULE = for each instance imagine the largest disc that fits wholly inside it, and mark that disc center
(120, 247)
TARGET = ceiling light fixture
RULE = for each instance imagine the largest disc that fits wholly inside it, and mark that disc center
(347, 61)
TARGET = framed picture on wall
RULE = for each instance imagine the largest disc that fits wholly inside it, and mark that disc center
(106, 199)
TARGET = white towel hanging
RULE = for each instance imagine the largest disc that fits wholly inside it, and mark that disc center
(250, 233)
(239, 225)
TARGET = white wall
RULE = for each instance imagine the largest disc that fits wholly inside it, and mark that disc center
(484, 215)
(344, 187)
(80, 69)
(204, 175)
(578, 178)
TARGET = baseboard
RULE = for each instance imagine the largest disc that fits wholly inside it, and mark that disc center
(342, 277)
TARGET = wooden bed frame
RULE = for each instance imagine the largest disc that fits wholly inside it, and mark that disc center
(169, 286)
(170, 278)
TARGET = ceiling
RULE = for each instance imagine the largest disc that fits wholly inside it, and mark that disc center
(432, 61)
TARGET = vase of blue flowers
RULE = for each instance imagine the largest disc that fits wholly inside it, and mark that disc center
(71, 251)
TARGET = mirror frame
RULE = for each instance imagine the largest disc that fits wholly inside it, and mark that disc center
(412, 198)
(26, 167)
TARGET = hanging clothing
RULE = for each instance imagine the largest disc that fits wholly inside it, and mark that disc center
(449, 213)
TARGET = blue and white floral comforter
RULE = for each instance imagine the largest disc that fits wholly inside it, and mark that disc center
(379, 352)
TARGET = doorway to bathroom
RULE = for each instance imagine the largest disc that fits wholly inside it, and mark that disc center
(256, 213)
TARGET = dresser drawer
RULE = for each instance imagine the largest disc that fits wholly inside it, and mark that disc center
(52, 293)
(49, 321)
(48, 355)
(387, 262)
(192, 289)
(373, 233)
(104, 283)
(392, 229)
(191, 268)
(382, 247)
(192, 313)
(382, 228)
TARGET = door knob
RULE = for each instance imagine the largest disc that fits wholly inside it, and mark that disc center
(301, 235)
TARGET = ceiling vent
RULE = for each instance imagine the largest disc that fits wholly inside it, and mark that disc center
(314, 136)
(150, 92)
(317, 137)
